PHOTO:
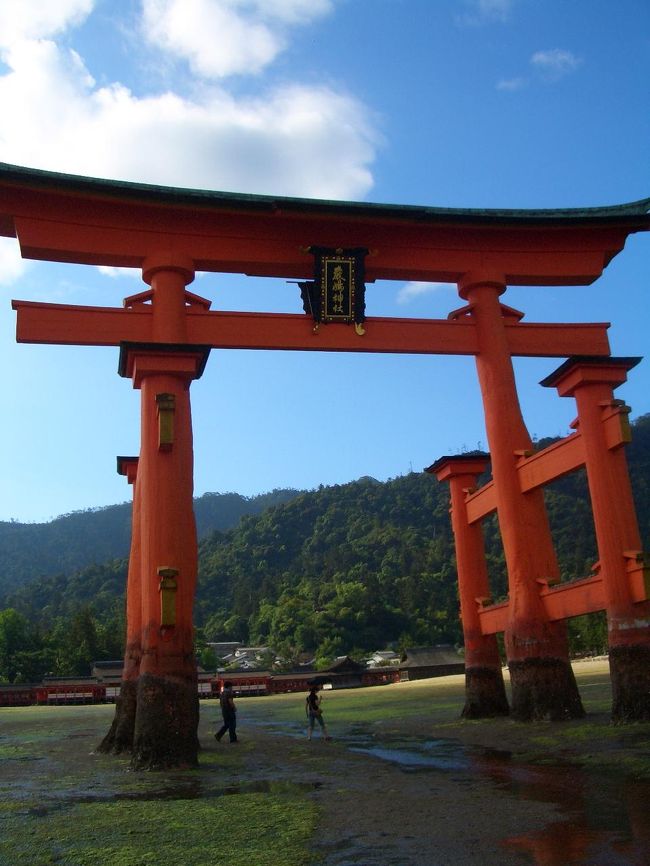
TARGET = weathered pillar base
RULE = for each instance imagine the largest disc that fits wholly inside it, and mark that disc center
(485, 694)
(119, 738)
(629, 668)
(544, 688)
(166, 723)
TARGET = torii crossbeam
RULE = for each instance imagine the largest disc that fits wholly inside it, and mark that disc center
(110, 326)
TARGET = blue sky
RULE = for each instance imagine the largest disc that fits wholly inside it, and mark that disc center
(455, 103)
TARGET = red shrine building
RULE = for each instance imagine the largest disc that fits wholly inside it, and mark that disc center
(164, 335)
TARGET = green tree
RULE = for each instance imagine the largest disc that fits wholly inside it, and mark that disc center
(75, 643)
(16, 643)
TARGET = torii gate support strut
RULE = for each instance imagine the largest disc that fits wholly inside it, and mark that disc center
(119, 738)
(620, 583)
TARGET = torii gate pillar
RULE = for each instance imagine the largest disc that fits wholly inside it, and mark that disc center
(167, 712)
(543, 683)
(485, 693)
(590, 381)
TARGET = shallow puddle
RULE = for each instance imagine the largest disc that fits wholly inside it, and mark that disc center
(602, 819)
(432, 755)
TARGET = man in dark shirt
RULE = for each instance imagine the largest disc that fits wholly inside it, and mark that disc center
(229, 713)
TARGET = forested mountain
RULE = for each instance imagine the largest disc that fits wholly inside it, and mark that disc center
(73, 541)
(344, 569)
(356, 567)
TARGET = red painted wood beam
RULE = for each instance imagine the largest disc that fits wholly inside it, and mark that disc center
(547, 465)
(276, 246)
(573, 599)
(481, 503)
(92, 221)
(553, 462)
(110, 326)
(67, 325)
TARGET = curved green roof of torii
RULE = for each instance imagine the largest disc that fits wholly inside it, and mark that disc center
(637, 212)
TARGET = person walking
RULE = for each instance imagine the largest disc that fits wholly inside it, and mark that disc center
(315, 713)
(229, 713)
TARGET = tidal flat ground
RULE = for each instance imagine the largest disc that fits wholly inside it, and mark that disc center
(403, 782)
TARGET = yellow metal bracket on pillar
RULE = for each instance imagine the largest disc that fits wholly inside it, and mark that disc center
(166, 407)
(167, 587)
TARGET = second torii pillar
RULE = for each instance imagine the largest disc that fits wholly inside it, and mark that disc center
(543, 683)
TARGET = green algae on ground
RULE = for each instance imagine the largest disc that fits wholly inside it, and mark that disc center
(264, 829)
(12, 752)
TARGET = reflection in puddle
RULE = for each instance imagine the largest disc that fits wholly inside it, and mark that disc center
(602, 820)
(569, 844)
(434, 754)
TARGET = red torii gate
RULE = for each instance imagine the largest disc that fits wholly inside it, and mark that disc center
(165, 335)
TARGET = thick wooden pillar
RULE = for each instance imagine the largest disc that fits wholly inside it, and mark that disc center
(485, 694)
(591, 382)
(543, 683)
(120, 735)
(166, 716)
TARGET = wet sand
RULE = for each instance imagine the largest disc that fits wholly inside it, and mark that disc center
(439, 791)
(404, 782)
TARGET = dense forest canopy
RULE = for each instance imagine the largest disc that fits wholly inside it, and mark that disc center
(83, 538)
(344, 569)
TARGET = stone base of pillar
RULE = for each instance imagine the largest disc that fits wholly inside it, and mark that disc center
(485, 694)
(119, 738)
(166, 723)
(629, 668)
(544, 688)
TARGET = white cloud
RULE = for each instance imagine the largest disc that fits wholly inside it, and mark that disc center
(411, 291)
(119, 273)
(280, 142)
(219, 38)
(511, 84)
(498, 10)
(12, 266)
(554, 63)
(38, 19)
(551, 65)
(486, 11)
(293, 11)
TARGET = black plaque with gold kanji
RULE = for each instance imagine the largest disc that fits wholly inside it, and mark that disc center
(337, 293)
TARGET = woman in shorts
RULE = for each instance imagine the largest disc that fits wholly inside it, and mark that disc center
(315, 713)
